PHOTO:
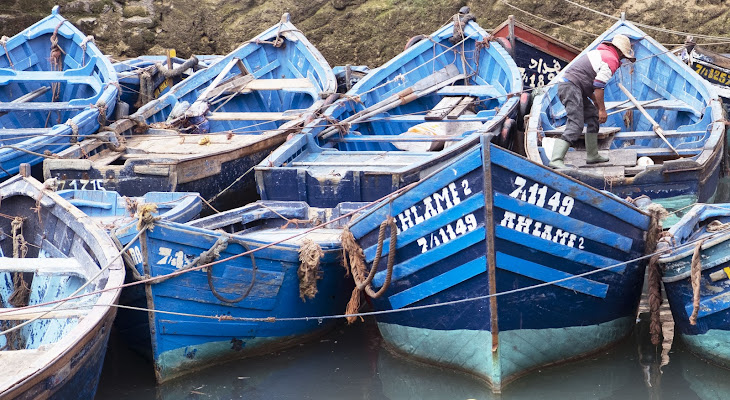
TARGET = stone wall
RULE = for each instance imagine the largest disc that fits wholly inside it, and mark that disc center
(346, 31)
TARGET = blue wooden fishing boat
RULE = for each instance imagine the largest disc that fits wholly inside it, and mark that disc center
(111, 210)
(400, 122)
(145, 78)
(486, 276)
(713, 67)
(240, 108)
(295, 277)
(700, 244)
(52, 251)
(671, 151)
(56, 87)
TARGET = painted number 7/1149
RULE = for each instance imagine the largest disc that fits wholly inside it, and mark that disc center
(448, 232)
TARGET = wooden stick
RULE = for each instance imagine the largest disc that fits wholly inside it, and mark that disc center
(631, 107)
(657, 129)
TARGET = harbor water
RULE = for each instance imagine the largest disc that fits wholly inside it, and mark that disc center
(350, 362)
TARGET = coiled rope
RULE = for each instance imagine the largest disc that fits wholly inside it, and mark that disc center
(74, 131)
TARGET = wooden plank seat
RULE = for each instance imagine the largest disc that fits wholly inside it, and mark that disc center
(24, 131)
(652, 135)
(252, 116)
(44, 106)
(471, 90)
(8, 314)
(665, 152)
(674, 104)
(447, 105)
(617, 158)
(396, 138)
(49, 265)
(603, 131)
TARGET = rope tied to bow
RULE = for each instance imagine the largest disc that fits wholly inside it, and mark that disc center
(653, 235)
(21, 291)
(310, 255)
(87, 39)
(74, 131)
(363, 279)
(4, 43)
(146, 216)
(695, 277)
(101, 106)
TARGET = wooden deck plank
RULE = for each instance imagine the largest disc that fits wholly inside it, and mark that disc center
(617, 157)
(443, 108)
(461, 107)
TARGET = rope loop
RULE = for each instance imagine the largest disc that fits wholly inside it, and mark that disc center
(210, 274)
(363, 280)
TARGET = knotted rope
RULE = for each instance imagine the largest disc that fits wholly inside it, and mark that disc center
(101, 106)
(716, 226)
(121, 141)
(146, 218)
(363, 280)
(83, 43)
(21, 291)
(310, 254)
(74, 131)
(696, 275)
(130, 204)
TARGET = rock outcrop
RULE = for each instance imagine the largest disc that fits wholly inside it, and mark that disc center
(346, 31)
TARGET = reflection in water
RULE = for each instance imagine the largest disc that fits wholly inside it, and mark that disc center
(350, 363)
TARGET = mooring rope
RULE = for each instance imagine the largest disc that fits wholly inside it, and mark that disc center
(696, 276)
(310, 255)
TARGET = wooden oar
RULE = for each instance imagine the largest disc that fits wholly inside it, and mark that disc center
(657, 129)
(423, 87)
(631, 107)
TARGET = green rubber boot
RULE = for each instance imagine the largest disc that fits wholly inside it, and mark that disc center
(592, 156)
(559, 149)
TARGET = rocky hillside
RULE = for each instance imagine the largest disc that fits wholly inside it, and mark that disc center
(346, 31)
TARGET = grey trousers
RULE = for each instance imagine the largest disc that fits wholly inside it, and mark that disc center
(580, 111)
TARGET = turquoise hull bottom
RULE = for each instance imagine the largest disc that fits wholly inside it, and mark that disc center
(713, 346)
(519, 351)
(677, 206)
(174, 363)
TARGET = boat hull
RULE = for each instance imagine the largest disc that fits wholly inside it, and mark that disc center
(184, 343)
(463, 293)
(73, 376)
(710, 337)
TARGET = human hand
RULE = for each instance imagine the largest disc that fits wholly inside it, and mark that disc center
(602, 116)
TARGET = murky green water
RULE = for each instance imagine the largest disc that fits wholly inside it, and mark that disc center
(350, 363)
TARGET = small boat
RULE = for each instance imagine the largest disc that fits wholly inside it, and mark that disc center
(145, 78)
(51, 251)
(56, 87)
(538, 56)
(209, 130)
(713, 67)
(295, 277)
(699, 245)
(501, 266)
(669, 147)
(401, 121)
(112, 210)
(348, 75)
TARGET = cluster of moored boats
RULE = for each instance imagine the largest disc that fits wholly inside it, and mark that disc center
(471, 256)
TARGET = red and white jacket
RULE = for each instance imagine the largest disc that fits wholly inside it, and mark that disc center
(593, 69)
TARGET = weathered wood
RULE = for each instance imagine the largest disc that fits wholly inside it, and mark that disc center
(638, 135)
(617, 157)
(233, 85)
(206, 93)
(24, 169)
(40, 313)
(631, 107)
(443, 108)
(461, 107)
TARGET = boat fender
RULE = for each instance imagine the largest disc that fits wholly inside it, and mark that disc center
(414, 40)
(523, 109)
(507, 134)
(506, 45)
